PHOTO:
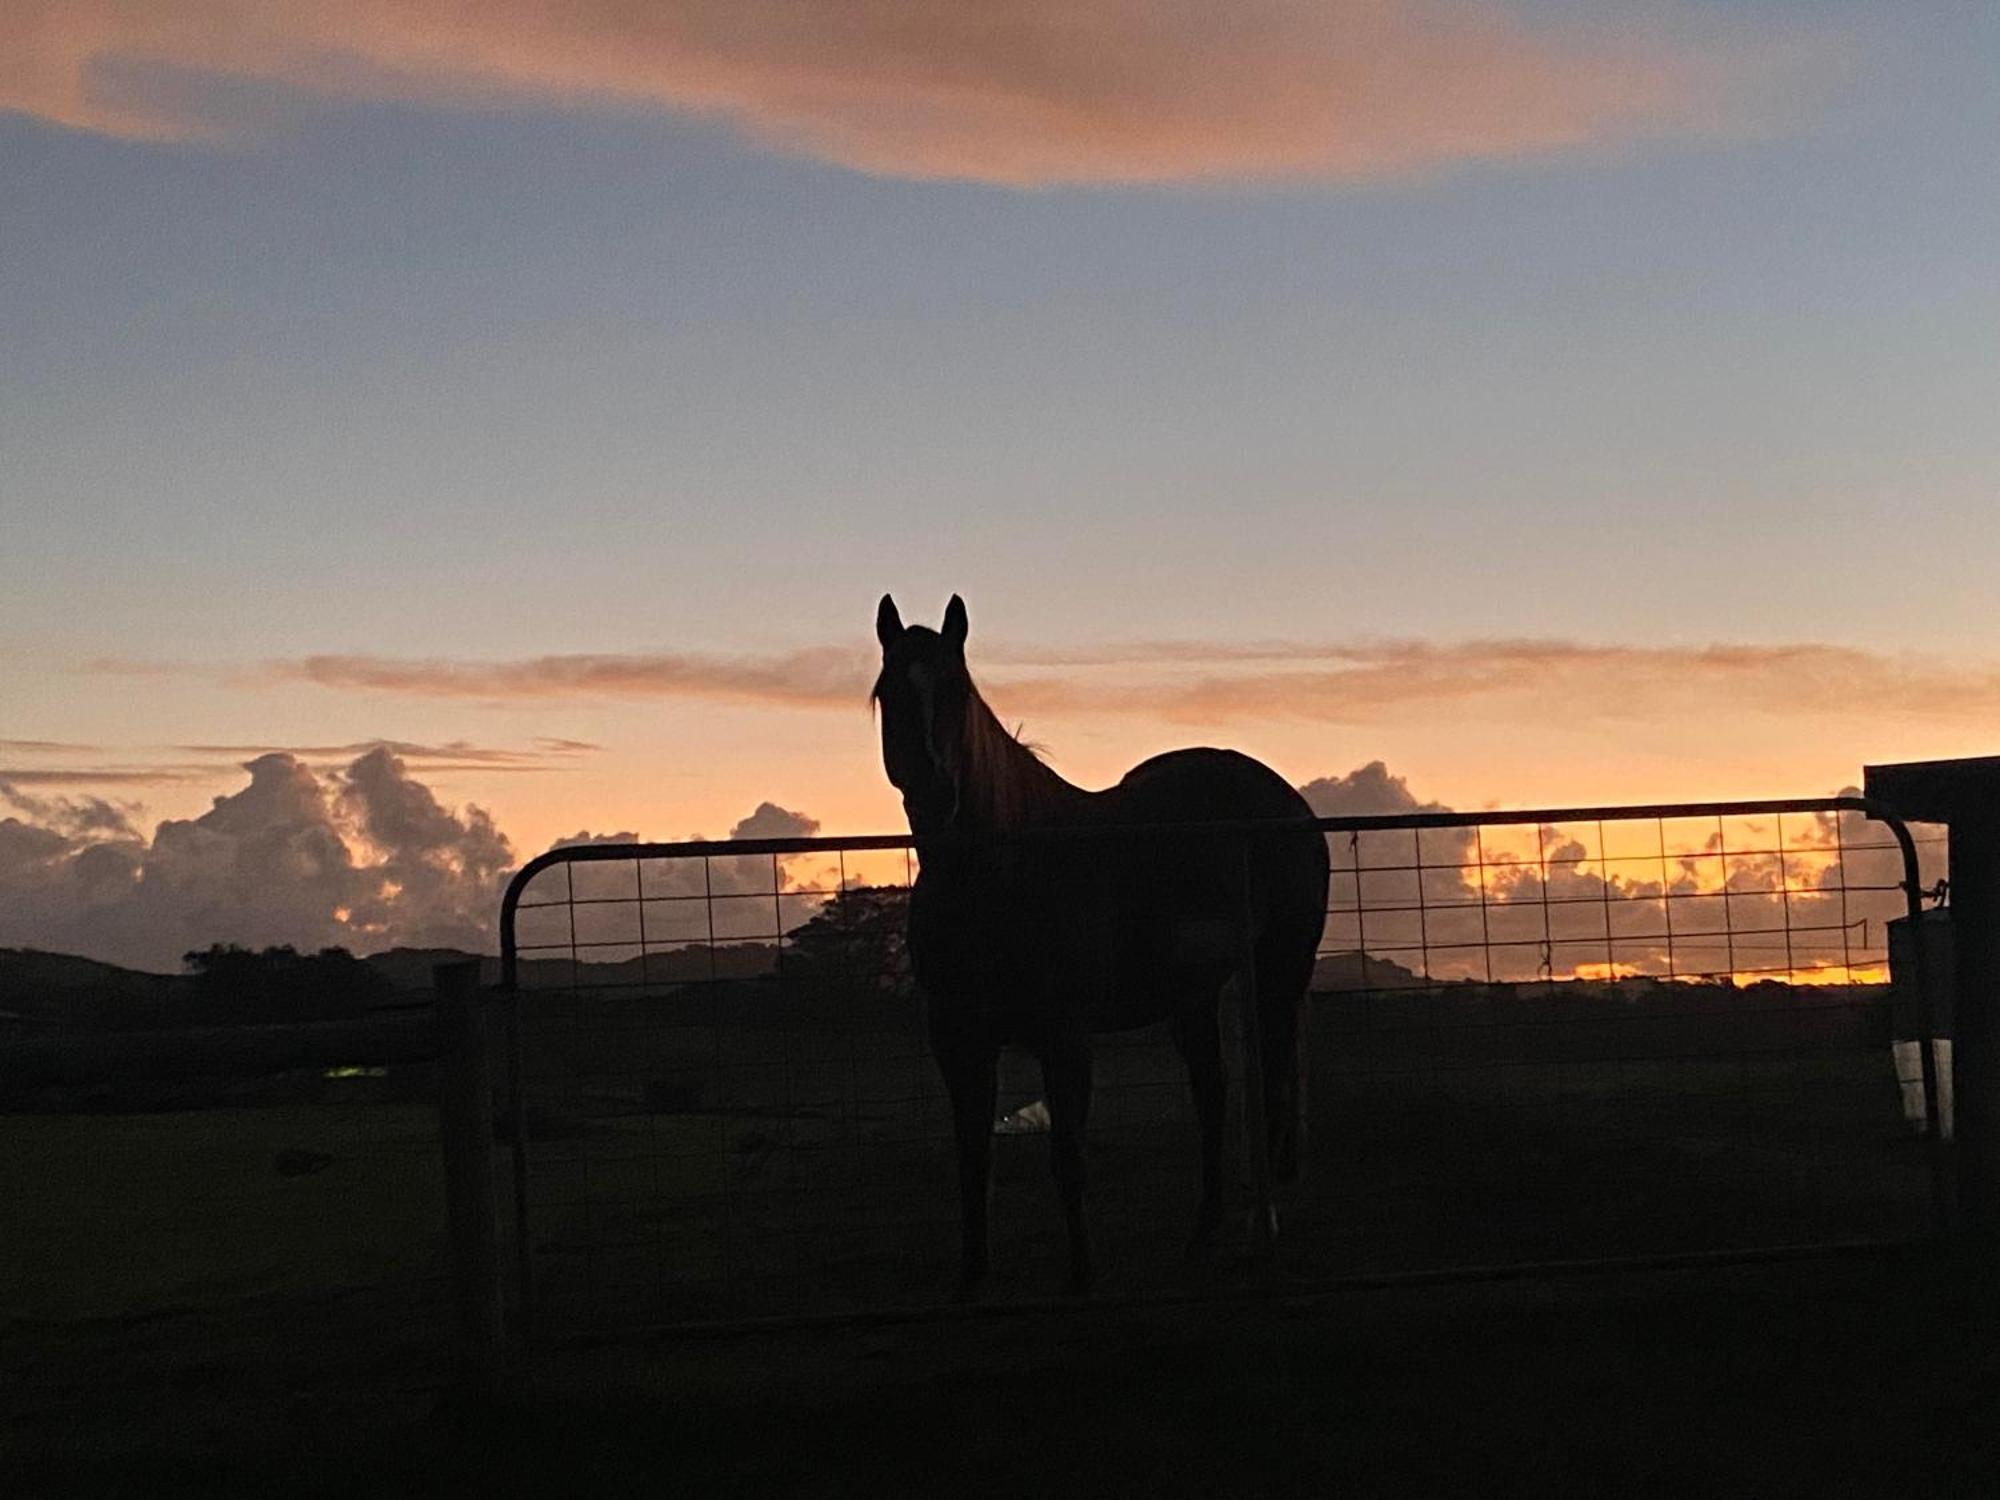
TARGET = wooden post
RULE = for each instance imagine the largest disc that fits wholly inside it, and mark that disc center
(1965, 795)
(465, 1131)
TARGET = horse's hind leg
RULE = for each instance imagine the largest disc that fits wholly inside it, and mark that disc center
(1284, 975)
(1066, 1081)
(1198, 1035)
(970, 1076)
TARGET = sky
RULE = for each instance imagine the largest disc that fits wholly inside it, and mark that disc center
(1555, 402)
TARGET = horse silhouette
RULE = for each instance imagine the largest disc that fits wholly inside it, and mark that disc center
(1022, 936)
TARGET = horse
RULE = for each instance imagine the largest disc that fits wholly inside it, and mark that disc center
(1022, 936)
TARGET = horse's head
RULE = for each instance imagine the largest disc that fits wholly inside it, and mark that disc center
(924, 692)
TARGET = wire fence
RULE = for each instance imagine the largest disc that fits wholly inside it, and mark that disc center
(1565, 1034)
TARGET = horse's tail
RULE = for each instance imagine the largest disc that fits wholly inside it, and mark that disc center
(1284, 975)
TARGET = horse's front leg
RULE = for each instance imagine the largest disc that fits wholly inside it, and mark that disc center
(970, 1076)
(1066, 1081)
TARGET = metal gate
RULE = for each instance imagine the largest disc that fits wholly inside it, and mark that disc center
(1568, 1034)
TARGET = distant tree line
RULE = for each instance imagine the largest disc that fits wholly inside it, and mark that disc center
(232, 986)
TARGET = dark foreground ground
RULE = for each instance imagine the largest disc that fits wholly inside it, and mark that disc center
(1853, 1376)
(243, 1295)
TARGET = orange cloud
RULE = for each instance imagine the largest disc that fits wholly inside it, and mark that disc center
(456, 755)
(1195, 682)
(1360, 683)
(810, 679)
(547, 753)
(1004, 91)
(102, 775)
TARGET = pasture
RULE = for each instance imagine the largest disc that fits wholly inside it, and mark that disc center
(139, 1215)
(722, 1152)
(1855, 1376)
(684, 1170)
(180, 1307)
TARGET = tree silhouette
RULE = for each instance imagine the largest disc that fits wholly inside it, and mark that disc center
(233, 985)
(856, 943)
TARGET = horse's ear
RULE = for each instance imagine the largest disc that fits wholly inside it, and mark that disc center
(888, 624)
(954, 623)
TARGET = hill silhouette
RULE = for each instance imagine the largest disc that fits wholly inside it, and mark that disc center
(62, 988)
(41, 990)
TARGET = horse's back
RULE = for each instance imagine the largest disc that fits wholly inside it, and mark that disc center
(1201, 785)
(1225, 786)
(1177, 887)
(1140, 926)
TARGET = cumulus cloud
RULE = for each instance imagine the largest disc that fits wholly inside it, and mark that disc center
(1400, 868)
(748, 874)
(1366, 791)
(81, 817)
(768, 821)
(366, 858)
(584, 836)
(435, 872)
(725, 875)
(719, 897)
(771, 821)
(1003, 91)
(1514, 902)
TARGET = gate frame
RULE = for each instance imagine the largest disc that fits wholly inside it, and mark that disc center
(522, 1333)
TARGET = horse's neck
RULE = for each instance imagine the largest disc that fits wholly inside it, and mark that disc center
(1009, 786)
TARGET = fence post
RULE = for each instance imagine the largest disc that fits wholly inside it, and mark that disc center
(1965, 796)
(1975, 923)
(465, 1131)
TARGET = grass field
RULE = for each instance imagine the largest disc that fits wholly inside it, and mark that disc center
(251, 1297)
(114, 1215)
(686, 1170)
(702, 1163)
(1851, 1377)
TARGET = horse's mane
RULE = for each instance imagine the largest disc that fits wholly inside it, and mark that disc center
(1011, 784)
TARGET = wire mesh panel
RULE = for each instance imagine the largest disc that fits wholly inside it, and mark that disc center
(1577, 1037)
(728, 1102)
(1531, 1036)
